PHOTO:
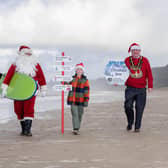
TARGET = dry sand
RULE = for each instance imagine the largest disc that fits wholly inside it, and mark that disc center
(103, 142)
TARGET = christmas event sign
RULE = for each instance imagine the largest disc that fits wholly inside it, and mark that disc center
(116, 72)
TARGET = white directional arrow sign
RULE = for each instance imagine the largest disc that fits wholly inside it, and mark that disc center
(59, 73)
(62, 87)
(63, 59)
(68, 67)
(62, 78)
(63, 68)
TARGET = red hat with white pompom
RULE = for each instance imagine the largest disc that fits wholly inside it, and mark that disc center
(79, 66)
(25, 50)
(134, 46)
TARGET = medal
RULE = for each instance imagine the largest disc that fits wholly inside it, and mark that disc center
(136, 68)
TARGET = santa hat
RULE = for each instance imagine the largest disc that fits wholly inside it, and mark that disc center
(134, 46)
(79, 66)
(24, 49)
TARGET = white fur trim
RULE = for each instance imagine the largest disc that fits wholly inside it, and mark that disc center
(4, 86)
(79, 67)
(28, 118)
(26, 50)
(43, 87)
(22, 120)
(135, 47)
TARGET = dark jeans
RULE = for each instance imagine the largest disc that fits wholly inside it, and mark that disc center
(137, 95)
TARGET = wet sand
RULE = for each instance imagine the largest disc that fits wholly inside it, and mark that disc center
(103, 141)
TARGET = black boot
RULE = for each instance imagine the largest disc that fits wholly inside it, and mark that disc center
(22, 123)
(28, 124)
(129, 127)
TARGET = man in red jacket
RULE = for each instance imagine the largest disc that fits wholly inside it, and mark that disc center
(26, 64)
(140, 76)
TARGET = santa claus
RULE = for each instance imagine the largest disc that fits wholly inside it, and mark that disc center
(27, 64)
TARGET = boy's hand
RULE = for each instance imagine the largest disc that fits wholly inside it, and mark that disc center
(150, 90)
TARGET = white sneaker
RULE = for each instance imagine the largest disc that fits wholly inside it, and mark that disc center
(76, 132)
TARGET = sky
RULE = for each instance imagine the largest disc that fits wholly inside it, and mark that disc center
(91, 31)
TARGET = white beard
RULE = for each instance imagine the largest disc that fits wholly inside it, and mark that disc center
(26, 65)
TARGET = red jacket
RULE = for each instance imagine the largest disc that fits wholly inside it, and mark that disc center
(146, 71)
(79, 95)
(39, 77)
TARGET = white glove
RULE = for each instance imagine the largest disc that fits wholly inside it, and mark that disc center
(43, 90)
(4, 89)
(43, 93)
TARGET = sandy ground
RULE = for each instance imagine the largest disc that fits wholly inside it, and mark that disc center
(103, 142)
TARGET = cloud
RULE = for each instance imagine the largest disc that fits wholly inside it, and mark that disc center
(109, 25)
(84, 22)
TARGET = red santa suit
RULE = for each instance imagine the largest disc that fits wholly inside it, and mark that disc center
(27, 64)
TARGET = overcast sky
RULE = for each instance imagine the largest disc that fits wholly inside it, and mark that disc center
(91, 31)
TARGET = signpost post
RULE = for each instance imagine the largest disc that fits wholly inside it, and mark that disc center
(60, 68)
(62, 127)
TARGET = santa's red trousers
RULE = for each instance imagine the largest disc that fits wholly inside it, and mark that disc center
(24, 108)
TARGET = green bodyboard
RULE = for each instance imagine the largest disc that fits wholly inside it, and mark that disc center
(21, 87)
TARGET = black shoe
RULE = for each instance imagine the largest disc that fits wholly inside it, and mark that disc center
(129, 128)
(22, 123)
(28, 124)
(137, 130)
